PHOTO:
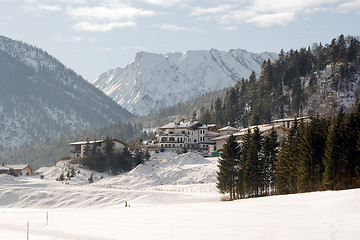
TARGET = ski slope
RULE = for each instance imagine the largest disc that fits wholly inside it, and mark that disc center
(170, 197)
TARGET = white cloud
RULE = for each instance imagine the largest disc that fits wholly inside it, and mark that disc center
(165, 3)
(231, 28)
(267, 20)
(141, 48)
(237, 16)
(175, 28)
(103, 27)
(278, 6)
(197, 11)
(267, 13)
(351, 5)
(106, 13)
(109, 15)
(37, 7)
(76, 38)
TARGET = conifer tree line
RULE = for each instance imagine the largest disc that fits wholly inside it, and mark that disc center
(321, 154)
(247, 169)
(111, 161)
(285, 86)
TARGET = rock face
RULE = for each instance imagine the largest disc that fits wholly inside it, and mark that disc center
(40, 98)
(155, 81)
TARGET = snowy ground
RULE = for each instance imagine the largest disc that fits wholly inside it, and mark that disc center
(171, 197)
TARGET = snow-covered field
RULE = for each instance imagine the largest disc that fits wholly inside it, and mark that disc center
(170, 197)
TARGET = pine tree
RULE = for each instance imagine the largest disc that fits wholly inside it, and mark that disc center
(86, 150)
(231, 102)
(334, 153)
(352, 151)
(311, 151)
(72, 172)
(61, 177)
(286, 167)
(91, 179)
(228, 165)
(147, 155)
(218, 113)
(281, 170)
(12, 172)
(254, 166)
(270, 151)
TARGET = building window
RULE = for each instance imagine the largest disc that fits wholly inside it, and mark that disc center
(171, 139)
(163, 139)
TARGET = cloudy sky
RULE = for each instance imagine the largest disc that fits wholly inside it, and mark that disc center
(92, 36)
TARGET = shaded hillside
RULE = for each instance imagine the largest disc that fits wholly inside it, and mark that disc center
(47, 152)
(40, 98)
(184, 110)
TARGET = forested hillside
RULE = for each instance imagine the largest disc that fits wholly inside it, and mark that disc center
(47, 152)
(317, 80)
(41, 99)
(184, 110)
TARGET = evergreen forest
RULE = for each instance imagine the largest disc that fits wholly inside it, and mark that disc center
(111, 161)
(321, 154)
(317, 80)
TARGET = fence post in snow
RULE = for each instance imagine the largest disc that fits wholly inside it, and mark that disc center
(27, 231)
(47, 218)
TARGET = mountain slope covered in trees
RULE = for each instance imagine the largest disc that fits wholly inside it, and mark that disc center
(41, 99)
(318, 80)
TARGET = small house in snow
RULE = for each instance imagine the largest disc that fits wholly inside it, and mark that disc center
(79, 147)
(20, 169)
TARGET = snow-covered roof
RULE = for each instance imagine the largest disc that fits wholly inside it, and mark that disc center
(228, 128)
(221, 138)
(14, 166)
(179, 124)
(43, 169)
(242, 132)
(290, 119)
(84, 142)
(206, 126)
(211, 134)
(95, 141)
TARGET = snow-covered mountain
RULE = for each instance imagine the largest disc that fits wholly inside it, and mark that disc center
(155, 81)
(40, 98)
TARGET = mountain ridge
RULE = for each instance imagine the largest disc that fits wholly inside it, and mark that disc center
(40, 98)
(155, 81)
